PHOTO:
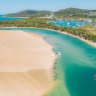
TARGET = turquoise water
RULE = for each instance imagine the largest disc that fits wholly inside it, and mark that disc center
(4, 18)
(75, 71)
(69, 23)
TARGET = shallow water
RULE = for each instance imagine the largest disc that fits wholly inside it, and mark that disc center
(75, 71)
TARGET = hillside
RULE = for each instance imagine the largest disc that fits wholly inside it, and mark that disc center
(29, 13)
(64, 13)
(75, 12)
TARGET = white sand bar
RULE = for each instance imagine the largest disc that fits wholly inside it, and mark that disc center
(25, 64)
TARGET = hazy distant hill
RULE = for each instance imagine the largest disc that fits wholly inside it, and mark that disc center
(71, 12)
(68, 12)
(29, 13)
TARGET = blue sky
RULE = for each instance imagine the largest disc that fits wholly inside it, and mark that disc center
(9, 6)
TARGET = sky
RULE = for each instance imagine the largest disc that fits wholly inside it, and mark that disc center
(11, 6)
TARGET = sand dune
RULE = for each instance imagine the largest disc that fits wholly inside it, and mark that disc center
(25, 64)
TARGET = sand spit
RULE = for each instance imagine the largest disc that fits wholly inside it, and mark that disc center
(26, 62)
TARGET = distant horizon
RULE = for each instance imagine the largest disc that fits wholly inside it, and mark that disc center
(7, 6)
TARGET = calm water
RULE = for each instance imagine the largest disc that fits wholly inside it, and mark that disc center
(75, 71)
(69, 23)
(3, 18)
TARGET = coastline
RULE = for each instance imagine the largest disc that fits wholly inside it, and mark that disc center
(82, 39)
(31, 60)
(44, 71)
(62, 32)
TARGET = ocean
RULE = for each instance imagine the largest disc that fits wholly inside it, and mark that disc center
(4, 18)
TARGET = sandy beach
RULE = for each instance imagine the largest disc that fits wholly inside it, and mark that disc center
(62, 32)
(26, 62)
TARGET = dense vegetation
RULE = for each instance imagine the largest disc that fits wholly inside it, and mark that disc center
(76, 13)
(83, 32)
(30, 22)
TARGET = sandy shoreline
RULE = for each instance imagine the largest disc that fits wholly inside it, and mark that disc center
(33, 77)
(82, 39)
(26, 63)
(62, 32)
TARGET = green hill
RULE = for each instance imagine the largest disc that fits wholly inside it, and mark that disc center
(64, 13)
(75, 12)
(29, 13)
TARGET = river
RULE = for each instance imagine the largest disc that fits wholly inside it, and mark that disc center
(75, 67)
